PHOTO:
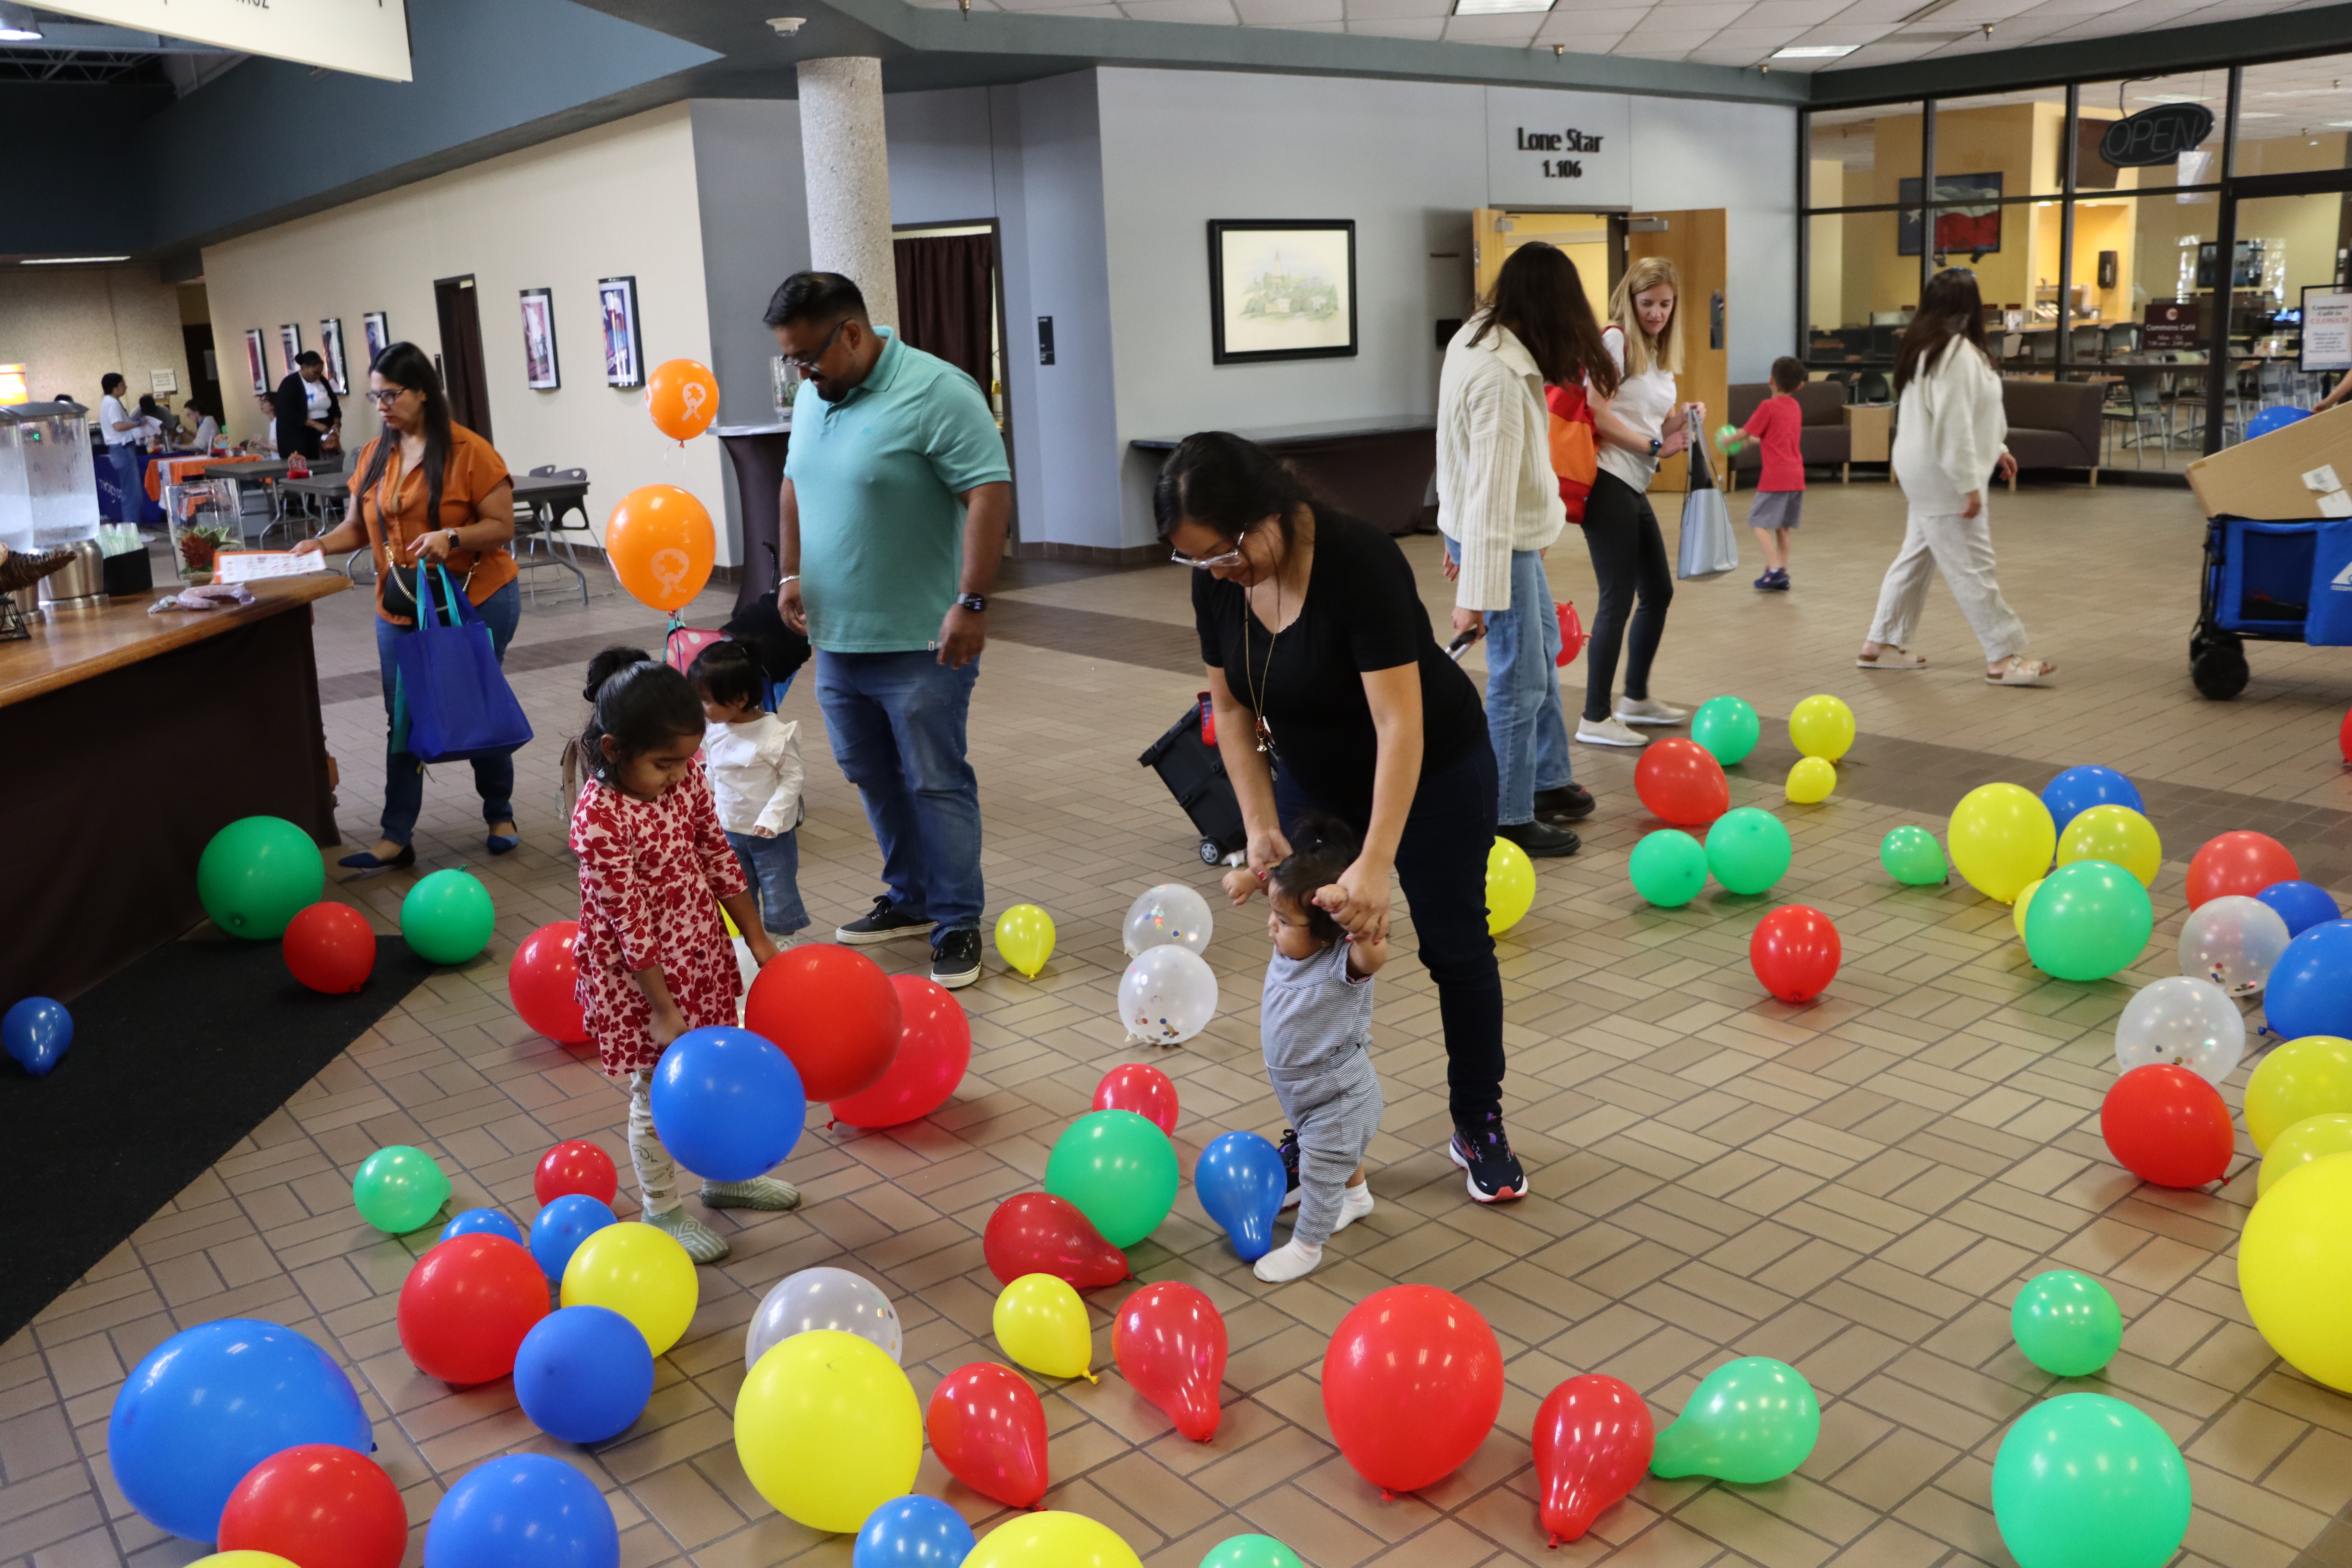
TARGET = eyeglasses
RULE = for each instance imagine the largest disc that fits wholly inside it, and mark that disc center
(807, 362)
(1230, 558)
(388, 396)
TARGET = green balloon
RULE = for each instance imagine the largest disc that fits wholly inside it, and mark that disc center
(1748, 849)
(1727, 728)
(1668, 868)
(258, 873)
(2065, 1323)
(2087, 1481)
(447, 918)
(2087, 919)
(399, 1189)
(1250, 1552)
(1119, 1170)
(1912, 857)
(1751, 1421)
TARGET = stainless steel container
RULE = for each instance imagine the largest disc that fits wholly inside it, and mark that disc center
(80, 582)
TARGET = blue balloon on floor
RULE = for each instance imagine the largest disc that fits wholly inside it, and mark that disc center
(37, 1032)
(2078, 789)
(727, 1103)
(1242, 1184)
(563, 1225)
(583, 1374)
(2270, 419)
(478, 1221)
(522, 1510)
(2310, 989)
(913, 1532)
(2301, 905)
(212, 1402)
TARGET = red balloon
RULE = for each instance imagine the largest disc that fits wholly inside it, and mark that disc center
(1593, 1437)
(2240, 862)
(2344, 735)
(320, 1506)
(1795, 953)
(575, 1165)
(1038, 1233)
(466, 1305)
(1170, 1343)
(833, 1012)
(543, 980)
(1142, 1089)
(934, 1049)
(2168, 1126)
(1411, 1385)
(989, 1430)
(330, 947)
(1681, 782)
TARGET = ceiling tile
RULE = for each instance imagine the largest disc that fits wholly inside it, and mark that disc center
(1389, 10)
(1289, 12)
(1179, 10)
(1517, 28)
(1793, 13)
(1646, 49)
(1598, 15)
(1686, 20)
(1430, 28)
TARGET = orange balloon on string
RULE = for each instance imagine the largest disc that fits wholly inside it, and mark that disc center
(661, 544)
(683, 397)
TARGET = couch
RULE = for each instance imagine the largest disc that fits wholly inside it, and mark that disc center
(2054, 423)
(1823, 439)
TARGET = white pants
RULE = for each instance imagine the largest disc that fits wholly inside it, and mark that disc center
(1961, 548)
(656, 1171)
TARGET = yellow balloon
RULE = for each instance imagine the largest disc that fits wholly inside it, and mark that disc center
(2001, 837)
(641, 1273)
(2294, 1269)
(731, 932)
(2302, 1079)
(1043, 1326)
(2117, 834)
(1052, 1540)
(1024, 938)
(242, 1560)
(1822, 727)
(2313, 1138)
(828, 1429)
(2017, 911)
(1510, 886)
(1812, 780)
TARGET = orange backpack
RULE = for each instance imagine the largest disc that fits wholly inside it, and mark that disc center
(1575, 452)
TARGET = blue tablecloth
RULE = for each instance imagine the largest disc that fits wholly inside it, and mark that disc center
(110, 505)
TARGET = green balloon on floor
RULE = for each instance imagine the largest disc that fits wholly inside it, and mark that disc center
(1750, 1421)
(1250, 1552)
(1668, 868)
(257, 875)
(399, 1189)
(1727, 727)
(1748, 849)
(447, 918)
(2087, 920)
(2085, 1480)
(1119, 1170)
(2066, 1323)
(1912, 857)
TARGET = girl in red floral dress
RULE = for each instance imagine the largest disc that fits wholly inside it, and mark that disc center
(655, 961)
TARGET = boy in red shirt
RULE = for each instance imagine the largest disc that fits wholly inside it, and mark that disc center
(1780, 493)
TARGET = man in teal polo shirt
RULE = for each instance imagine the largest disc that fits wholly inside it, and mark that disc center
(893, 512)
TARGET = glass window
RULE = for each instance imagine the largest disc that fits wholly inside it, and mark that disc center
(1859, 291)
(2104, 102)
(1858, 155)
(2003, 145)
(2293, 115)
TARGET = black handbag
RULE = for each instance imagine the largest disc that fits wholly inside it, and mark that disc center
(776, 648)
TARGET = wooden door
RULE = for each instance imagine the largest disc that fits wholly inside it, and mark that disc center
(1693, 242)
(1495, 233)
(463, 376)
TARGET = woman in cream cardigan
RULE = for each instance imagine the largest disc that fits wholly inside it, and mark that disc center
(1949, 440)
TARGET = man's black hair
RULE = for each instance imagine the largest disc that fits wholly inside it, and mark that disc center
(823, 298)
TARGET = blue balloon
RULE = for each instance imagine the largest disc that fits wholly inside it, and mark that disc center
(727, 1103)
(2078, 789)
(913, 1532)
(212, 1402)
(476, 1221)
(1242, 1184)
(37, 1032)
(2301, 905)
(583, 1374)
(2310, 989)
(523, 1511)
(2270, 419)
(563, 1225)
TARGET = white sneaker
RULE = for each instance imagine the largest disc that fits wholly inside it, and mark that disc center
(1649, 711)
(1609, 732)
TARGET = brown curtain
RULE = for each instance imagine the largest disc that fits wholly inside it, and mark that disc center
(947, 295)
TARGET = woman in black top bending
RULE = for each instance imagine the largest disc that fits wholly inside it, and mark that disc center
(1330, 692)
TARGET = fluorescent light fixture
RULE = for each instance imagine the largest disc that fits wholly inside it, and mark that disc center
(18, 25)
(1815, 51)
(68, 260)
(1499, 8)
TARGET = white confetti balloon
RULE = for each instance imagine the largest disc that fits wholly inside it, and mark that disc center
(2232, 941)
(1170, 913)
(822, 1298)
(2184, 1021)
(1168, 995)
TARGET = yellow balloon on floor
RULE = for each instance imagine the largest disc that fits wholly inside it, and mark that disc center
(1812, 780)
(2304, 1078)
(2001, 837)
(1053, 1540)
(641, 1273)
(2294, 1269)
(828, 1429)
(2017, 911)
(1822, 727)
(1510, 886)
(242, 1560)
(2313, 1138)
(2116, 833)
(1024, 938)
(1043, 1326)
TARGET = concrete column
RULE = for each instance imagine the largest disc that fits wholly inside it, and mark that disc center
(847, 166)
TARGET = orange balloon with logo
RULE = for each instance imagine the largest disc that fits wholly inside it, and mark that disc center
(684, 398)
(660, 543)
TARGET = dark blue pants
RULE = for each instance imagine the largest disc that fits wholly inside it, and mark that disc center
(896, 724)
(404, 776)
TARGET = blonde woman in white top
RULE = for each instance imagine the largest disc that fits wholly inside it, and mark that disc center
(1950, 438)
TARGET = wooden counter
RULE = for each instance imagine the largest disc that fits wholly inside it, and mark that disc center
(83, 643)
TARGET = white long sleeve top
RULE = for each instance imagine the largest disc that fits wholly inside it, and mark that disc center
(1495, 489)
(756, 774)
(1950, 428)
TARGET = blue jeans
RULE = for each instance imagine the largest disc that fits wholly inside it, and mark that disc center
(404, 776)
(1524, 719)
(774, 867)
(125, 458)
(896, 724)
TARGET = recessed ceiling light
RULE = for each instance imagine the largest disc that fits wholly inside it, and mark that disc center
(1499, 8)
(1815, 51)
(68, 260)
(18, 26)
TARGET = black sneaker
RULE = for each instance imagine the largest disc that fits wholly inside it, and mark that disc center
(1542, 840)
(1289, 1147)
(1484, 1151)
(882, 923)
(1569, 803)
(955, 958)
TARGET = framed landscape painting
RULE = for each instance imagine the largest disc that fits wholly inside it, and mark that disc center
(1281, 288)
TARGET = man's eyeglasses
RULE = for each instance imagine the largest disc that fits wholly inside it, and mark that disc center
(386, 396)
(807, 362)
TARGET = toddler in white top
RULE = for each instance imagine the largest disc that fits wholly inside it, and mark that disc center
(753, 759)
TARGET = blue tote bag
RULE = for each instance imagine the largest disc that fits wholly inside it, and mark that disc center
(450, 693)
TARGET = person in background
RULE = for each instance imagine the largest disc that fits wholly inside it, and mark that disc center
(1777, 428)
(123, 431)
(753, 759)
(160, 424)
(206, 427)
(306, 410)
(266, 443)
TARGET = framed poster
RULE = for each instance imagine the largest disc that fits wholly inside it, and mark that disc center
(256, 359)
(1967, 216)
(378, 331)
(1281, 288)
(2326, 328)
(624, 360)
(290, 343)
(330, 349)
(538, 341)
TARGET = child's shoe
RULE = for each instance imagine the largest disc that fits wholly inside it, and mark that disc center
(1294, 1259)
(1766, 580)
(1289, 1151)
(1779, 580)
(702, 1244)
(759, 1193)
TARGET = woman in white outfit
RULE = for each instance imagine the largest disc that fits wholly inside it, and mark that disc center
(1949, 435)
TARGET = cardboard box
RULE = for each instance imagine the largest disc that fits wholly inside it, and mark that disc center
(2280, 477)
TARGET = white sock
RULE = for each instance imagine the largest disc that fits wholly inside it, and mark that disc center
(1294, 1259)
(1355, 1203)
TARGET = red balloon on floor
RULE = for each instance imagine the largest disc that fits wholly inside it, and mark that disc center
(934, 1051)
(1142, 1089)
(833, 1012)
(543, 980)
(1795, 952)
(1680, 782)
(330, 947)
(2240, 862)
(987, 1427)
(2344, 735)
(1411, 1385)
(1038, 1233)
(1170, 1342)
(466, 1305)
(1593, 1437)
(2167, 1125)
(320, 1506)
(573, 1166)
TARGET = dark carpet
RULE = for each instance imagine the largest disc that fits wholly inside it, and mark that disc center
(173, 1059)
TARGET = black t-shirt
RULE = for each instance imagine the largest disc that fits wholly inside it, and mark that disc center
(1362, 612)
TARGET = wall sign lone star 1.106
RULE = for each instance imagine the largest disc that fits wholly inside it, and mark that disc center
(1559, 142)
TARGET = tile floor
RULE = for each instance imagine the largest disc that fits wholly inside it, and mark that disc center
(1854, 1186)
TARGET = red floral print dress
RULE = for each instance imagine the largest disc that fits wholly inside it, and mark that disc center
(651, 875)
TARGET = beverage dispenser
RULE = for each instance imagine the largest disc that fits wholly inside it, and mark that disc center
(48, 491)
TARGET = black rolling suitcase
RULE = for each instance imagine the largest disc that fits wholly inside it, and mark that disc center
(1187, 762)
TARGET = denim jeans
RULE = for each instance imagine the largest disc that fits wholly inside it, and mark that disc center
(774, 867)
(1524, 719)
(404, 776)
(125, 458)
(896, 724)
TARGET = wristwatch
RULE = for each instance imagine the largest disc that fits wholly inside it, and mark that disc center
(454, 542)
(1657, 446)
(976, 602)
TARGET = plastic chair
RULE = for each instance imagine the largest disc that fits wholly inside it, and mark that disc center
(534, 529)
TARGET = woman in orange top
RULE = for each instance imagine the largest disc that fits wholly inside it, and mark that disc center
(429, 492)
